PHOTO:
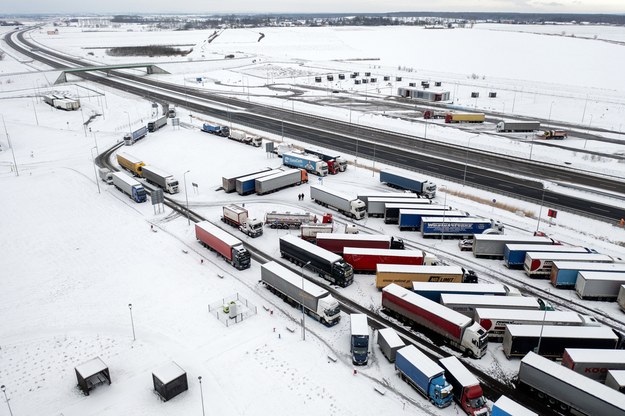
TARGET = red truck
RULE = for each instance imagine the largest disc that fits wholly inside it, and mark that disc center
(336, 243)
(365, 260)
(466, 387)
(226, 245)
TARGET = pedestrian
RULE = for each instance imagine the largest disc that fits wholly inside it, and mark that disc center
(152, 227)
(201, 261)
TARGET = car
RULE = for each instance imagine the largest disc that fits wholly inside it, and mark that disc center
(465, 245)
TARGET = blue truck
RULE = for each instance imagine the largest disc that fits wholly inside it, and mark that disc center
(564, 273)
(427, 377)
(216, 129)
(129, 186)
(313, 164)
(410, 219)
(458, 227)
(131, 138)
(420, 187)
(247, 184)
(514, 254)
(434, 290)
(359, 344)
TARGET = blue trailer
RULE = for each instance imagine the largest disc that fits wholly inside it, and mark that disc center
(514, 254)
(506, 407)
(564, 273)
(410, 219)
(131, 138)
(216, 129)
(427, 377)
(311, 163)
(434, 290)
(420, 187)
(247, 184)
(458, 227)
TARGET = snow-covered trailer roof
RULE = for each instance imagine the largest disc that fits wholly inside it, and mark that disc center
(311, 248)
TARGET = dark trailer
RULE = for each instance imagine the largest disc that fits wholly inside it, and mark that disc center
(169, 381)
(92, 373)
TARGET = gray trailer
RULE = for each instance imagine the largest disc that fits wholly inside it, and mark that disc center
(157, 124)
(376, 205)
(564, 389)
(247, 184)
(346, 204)
(592, 285)
(279, 180)
(293, 289)
(364, 197)
(492, 245)
(229, 183)
(515, 126)
(160, 178)
(389, 343)
(616, 379)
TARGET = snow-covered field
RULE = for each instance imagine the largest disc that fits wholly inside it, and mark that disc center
(74, 256)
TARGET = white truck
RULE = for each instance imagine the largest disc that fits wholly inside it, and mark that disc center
(160, 178)
(106, 175)
(346, 204)
(238, 216)
(241, 136)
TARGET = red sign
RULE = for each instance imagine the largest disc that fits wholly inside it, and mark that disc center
(552, 213)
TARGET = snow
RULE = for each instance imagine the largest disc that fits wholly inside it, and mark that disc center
(513, 408)
(459, 371)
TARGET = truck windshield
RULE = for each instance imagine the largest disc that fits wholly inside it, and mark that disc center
(477, 402)
(361, 342)
(333, 311)
(257, 226)
(358, 350)
(174, 183)
(141, 192)
(361, 209)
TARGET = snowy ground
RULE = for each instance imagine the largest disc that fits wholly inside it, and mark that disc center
(75, 255)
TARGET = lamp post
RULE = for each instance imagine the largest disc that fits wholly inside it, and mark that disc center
(542, 325)
(95, 172)
(444, 213)
(550, 107)
(199, 378)
(303, 312)
(4, 390)
(186, 195)
(540, 212)
(129, 127)
(17, 172)
(132, 322)
(466, 161)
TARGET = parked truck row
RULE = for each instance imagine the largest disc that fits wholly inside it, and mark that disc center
(150, 173)
(62, 102)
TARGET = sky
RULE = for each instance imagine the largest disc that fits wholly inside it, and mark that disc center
(319, 6)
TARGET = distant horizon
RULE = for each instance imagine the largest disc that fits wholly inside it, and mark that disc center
(346, 13)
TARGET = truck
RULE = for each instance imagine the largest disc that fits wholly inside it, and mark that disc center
(565, 390)
(391, 211)
(241, 136)
(160, 178)
(376, 205)
(510, 126)
(466, 388)
(229, 183)
(434, 114)
(420, 187)
(466, 304)
(465, 118)
(335, 162)
(365, 260)
(286, 220)
(615, 379)
(280, 180)
(603, 286)
(346, 204)
(564, 273)
(106, 175)
(551, 340)
(223, 243)
(328, 265)
(283, 148)
(359, 340)
(247, 184)
(493, 245)
(404, 275)
(537, 265)
(507, 407)
(458, 227)
(132, 137)
(293, 289)
(129, 186)
(309, 231)
(494, 321)
(67, 104)
(593, 363)
(514, 254)
(410, 219)
(424, 375)
(457, 329)
(237, 216)
(157, 124)
(553, 134)
(131, 164)
(389, 343)
(171, 111)
(336, 243)
(620, 300)
(434, 290)
(365, 196)
(311, 163)
(216, 129)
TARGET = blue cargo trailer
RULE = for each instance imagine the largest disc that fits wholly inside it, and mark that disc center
(247, 184)
(434, 290)
(514, 254)
(564, 273)
(420, 187)
(410, 219)
(457, 227)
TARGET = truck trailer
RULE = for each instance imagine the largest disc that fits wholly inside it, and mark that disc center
(514, 254)
(311, 163)
(620, 300)
(564, 273)
(457, 329)
(359, 340)
(328, 265)
(216, 129)
(593, 363)
(131, 164)
(310, 231)
(229, 183)
(538, 265)
(132, 137)
(365, 196)
(493, 245)
(467, 390)
(157, 124)
(460, 227)
(226, 245)
(389, 343)
(160, 178)
(242, 137)
(336, 243)
(592, 285)
(280, 180)
(509, 126)
(427, 377)
(507, 407)
(410, 219)
(365, 260)
(465, 118)
(286, 220)
(466, 304)
(346, 204)
(420, 187)
(129, 186)
(238, 216)
(404, 275)
(293, 289)
(335, 162)
(391, 211)
(616, 380)
(376, 206)
(434, 290)
(246, 185)
(566, 390)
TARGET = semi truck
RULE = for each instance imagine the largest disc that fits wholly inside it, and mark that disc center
(309, 231)
(106, 175)
(336, 243)
(129, 186)
(365, 196)
(216, 129)
(346, 204)
(616, 380)
(551, 340)
(160, 178)
(247, 184)
(429, 114)
(335, 162)
(494, 321)
(238, 216)
(391, 211)
(565, 390)
(420, 187)
(366, 260)
(514, 254)
(157, 124)
(62, 102)
(458, 227)
(224, 244)
(311, 163)
(493, 245)
(620, 300)
(286, 220)
(554, 134)
(593, 363)
(467, 390)
(537, 265)
(564, 273)
(359, 340)
(376, 206)
(280, 180)
(603, 286)
(457, 329)
(508, 126)
(241, 136)
(293, 289)
(404, 275)
(410, 219)
(507, 407)
(131, 164)
(466, 304)
(465, 118)
(424, 375)
(229, 183)
(434, 290)
(389, 343)
(328, 265)
(132, 137)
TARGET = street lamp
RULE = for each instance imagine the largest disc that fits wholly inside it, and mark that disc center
(550, 107)
(540, 213)
(129, 127)
(542, 325)
(17, 173)
(95, 172)
(4, 390)
(184, 176)
(199, 378)
(444, 213)
(303, 312)
(132, 322)
(466, 161)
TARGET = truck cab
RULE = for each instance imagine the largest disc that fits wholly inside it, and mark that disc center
(171, 186)
(358, 209)
(475, 340)
(429, 189)
(139, 194)
(397, 243)
(329, 310)
(359, 344)
(252, 227)
(440, 391)
(343, 273)
(241, 258)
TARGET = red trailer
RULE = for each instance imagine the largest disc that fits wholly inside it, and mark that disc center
(365, 260)
(226, 245)
(336, 243)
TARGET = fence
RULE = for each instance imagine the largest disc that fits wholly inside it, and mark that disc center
(221, 309)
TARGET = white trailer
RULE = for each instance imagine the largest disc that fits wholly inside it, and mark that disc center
(280, 180)
(160, 178)
(616, 380)
(592, 285)
(593, 363)
(376, 205)
(309, 231)
(538, 264)
(466, 304)
(516, 126)
(364, 197)
(389, 343)
(492, 245)
(346, 204)
(621, 298)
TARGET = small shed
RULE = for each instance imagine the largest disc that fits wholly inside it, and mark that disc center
(492, 95)
(169, 381)
(437, 83)
(92, 373)
(475, 94)
(397, 78)
(367, 74)
(341, 76)
(387, 78)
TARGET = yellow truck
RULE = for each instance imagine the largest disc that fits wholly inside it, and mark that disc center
(404, 275)
(131, 164)
(465, 118)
